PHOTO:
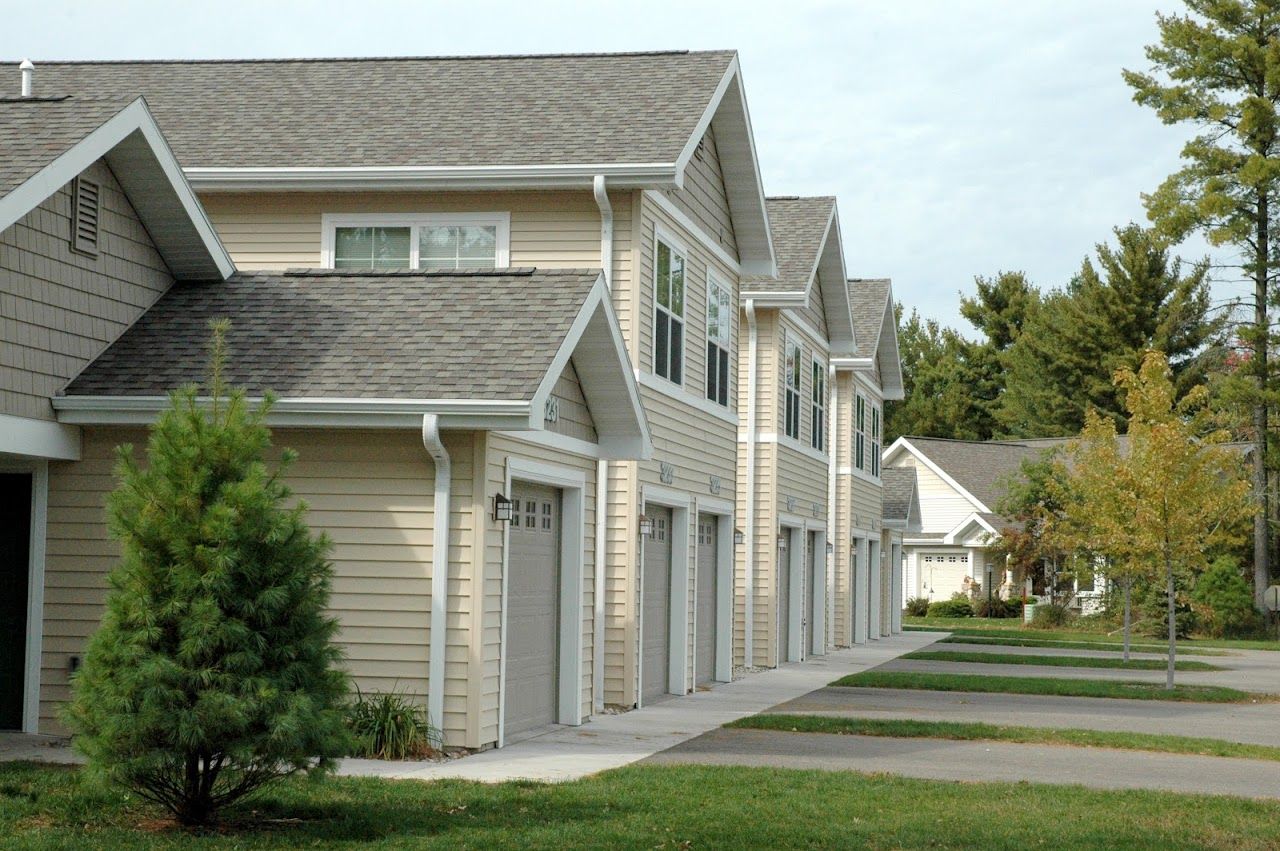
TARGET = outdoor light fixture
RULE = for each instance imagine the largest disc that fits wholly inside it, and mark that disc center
(501, 508)
(782, 542)
(646, 527)
(831, 548)
(738, 537)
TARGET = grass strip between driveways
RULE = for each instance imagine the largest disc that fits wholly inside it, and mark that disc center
(1012, 641)
(1046, 686)
(1012, 627)
(984, 658)
(643, 807)
(977, 731)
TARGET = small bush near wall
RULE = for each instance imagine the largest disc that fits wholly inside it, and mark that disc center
(1050, 616)
(957, 607)
(391, 726)
(917, 607)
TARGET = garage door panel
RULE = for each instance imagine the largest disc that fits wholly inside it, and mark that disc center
(533, 609)
(656, 651)
(942, 574)
(705, 622)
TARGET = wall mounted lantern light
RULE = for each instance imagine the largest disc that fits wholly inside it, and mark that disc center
(738, 537)
(646, 527)
(501, 508)
(782, 542)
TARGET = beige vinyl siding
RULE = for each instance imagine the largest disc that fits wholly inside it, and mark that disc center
(704, 198)
(815, 314)
(574, 417)
(371, 492)
(809, 350)
(942, 508)
(59, 308)
(859, 506)
(487, 664)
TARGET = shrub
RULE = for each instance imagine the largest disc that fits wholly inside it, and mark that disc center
(996, 608)
(917, 607)
(1153, 606)
(213, 672)
(1050, 616)
(956, 607)
(390, 726)
(1223, 601)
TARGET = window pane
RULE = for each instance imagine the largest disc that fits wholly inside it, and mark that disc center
(663, 275)
(712, 372)
(725, 316)
(677, 285)
(478, 247)
(371, 248)
(724, 378)
(713, 314)
(438, 248)
(661, 345)
(677, 352)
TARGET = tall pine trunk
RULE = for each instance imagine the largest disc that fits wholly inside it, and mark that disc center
(1261, 542)
(1173, 622)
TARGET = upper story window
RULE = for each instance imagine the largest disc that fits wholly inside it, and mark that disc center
(668, 312)
(875, 440)
(719, 325)
(434, 241)
(818, 407)
(792, 401)
(860, 434)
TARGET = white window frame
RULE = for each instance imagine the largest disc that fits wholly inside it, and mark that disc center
(330, 222)
(818, 405)
(877, 423)
(860, 432)
(714, 286)
(676, 246)
(789, 342)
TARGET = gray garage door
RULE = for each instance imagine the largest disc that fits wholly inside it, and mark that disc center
(784, 596)
(15, 538)
(656, 598)
(533, 610)
(705, 661)
(810, 580)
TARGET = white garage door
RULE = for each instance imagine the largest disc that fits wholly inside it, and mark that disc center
(656, 598)
(705, 660)
(533, 610)
(784, 595)
(942, 574)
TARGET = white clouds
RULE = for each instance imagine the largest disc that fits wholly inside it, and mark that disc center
(961, 138)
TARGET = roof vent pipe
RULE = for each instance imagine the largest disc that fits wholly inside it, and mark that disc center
(28, 71)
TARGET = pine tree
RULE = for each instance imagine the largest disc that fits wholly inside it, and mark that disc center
(1135, 298)
(1218, 70)
(213, 672)
(937, 396)
(1000, 310)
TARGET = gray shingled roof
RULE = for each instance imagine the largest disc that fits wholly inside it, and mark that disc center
(36, 131)
(982, 467)
(446, 111)
(321, 333)
(899, 485)
(867, 298)
(798, 225)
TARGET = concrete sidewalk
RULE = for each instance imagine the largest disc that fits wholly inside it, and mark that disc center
(610, 741)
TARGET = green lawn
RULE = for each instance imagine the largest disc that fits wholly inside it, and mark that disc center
(983, 658)
(1014, 641)
(975, 731)
(643, 807)
(1016, 628)
(1047, 685)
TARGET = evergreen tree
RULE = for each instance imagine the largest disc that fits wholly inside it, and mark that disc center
(1218, 70)
(213, 672)
(999, 311)
(936, 400)
(1135, 298)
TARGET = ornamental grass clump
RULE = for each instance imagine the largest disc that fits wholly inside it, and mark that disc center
(391, 725)
(214, 671)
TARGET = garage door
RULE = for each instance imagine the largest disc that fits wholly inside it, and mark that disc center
(942, 574)
(784, 596)
(811, 578)
(15, 539)
(705, 660)
(657, 604)
(533, 610)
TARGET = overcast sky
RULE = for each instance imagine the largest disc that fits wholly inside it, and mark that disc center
(961, 138)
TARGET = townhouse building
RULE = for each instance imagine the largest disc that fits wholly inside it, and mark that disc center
(486, 291)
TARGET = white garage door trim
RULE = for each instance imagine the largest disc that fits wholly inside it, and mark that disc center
(39, 471)
(796, 527)
(572, 484)
(818, 580)
(723, 510)
(677, 667)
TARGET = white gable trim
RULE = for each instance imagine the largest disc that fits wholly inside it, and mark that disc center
(959, 535)
(904, 445)
(133, 118)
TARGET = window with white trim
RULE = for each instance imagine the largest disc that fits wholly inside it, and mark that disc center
(791, 419)
(668, 312)
(429, 241)
(818, 407)
(860, 434)
(719, 324)
(875, 440)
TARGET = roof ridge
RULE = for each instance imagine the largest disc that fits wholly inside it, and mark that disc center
(441, 58)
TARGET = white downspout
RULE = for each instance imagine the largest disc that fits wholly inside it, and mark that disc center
(439, 569)
(753, 333)
(833, 529)
(602, 468)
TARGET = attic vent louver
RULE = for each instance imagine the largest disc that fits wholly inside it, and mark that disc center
(85, 213)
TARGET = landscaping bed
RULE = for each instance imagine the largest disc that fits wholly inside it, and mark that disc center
(1047, 686)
